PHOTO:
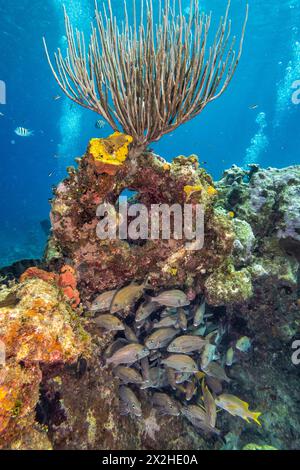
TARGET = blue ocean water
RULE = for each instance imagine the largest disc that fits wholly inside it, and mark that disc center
(256, 120)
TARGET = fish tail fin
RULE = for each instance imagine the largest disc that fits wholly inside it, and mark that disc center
(255, 417)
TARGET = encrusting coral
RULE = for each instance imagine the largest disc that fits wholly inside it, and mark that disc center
(38, 328)
(267, 246)
(109, 154)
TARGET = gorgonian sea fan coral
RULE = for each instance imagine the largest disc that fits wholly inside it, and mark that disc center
(148, 78)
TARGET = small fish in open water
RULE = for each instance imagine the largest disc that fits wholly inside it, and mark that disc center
(22, 132)
(100, 124)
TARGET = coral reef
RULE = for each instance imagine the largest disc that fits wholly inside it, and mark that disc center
(107, 264)
(247, 271)
(268, 199)
(85, 412)
(122, 342)
(266, 206)
(38, 329)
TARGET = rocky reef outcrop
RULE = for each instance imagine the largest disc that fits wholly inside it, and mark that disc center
(107, 264)
(254, 282)
(267, 223)
(265, 203)
(38, 329)
(57, 383)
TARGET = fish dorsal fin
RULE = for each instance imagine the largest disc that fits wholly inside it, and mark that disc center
(146, 283)
(209, 338)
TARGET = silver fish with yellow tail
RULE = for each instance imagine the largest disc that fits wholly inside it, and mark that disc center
(236, 407)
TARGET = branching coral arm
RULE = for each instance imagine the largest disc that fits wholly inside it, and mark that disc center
(148, 79)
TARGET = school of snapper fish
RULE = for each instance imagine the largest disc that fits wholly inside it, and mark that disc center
(171, 347)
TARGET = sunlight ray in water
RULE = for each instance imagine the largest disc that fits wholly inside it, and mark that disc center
(70, 122)
(259, 143)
